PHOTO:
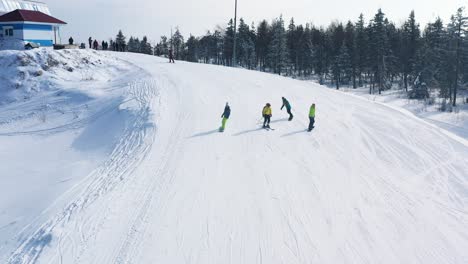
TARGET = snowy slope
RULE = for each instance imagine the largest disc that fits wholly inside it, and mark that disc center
(456, 122)
(55, 129)
(368, 185)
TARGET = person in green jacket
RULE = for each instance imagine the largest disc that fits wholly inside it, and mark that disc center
(311, 117)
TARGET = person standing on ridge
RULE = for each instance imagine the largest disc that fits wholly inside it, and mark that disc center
(288, 108)
(96, 44)
(171, 56)
(225, 116)
(70, 41)
(311, 117)
(267, 114)
(90, 40)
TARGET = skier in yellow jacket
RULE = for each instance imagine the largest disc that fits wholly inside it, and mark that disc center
(266, 115)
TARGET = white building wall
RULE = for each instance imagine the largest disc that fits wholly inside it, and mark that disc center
(18, 34)
(37, 34)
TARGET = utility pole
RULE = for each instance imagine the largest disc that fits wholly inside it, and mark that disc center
(234, 60)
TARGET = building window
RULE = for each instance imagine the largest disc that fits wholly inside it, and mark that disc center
(8, 32)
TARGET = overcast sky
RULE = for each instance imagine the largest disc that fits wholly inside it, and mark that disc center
(101, 19)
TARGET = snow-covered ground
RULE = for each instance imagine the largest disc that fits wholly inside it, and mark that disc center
(61, 115)
(455, 121)
(141, 175)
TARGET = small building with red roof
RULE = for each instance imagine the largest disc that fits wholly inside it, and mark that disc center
(29, 26)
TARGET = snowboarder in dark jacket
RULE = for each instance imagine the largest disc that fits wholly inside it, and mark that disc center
(70, 41)
(288, 108)
(225, 116)
(90, 40)
(96, 44)
(171, 56)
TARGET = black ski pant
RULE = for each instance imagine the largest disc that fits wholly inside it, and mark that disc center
(290, 114)
(311, 123)
(267, 119)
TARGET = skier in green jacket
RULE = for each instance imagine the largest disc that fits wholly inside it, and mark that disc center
(288, 108)
(311, 117)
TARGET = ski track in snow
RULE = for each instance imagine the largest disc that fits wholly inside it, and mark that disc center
(134, 145)
(367, 185)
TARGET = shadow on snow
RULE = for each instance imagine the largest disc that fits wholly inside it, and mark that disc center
(202, 134)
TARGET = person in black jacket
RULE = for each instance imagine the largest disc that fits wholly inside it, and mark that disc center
(171, 56)
(70, 41)
(225, 116)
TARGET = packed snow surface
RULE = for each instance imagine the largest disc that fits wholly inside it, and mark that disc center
(127, 165)
(455, 121)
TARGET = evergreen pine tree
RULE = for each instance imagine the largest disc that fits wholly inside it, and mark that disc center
(409, 48)
(192, 49)
(245, 46)
(263, 41)
(350, 42)
(277, 58)
(132, 45)
(361, 48)
(228, 43)
(177, 42)
(146, 47)
(120, 42)
(292, 44)
(429, 60)
(458, 28)
(378, 49)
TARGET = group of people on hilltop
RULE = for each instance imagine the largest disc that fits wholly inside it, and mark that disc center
(105, 45)
(94, 44)
(267, 114)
